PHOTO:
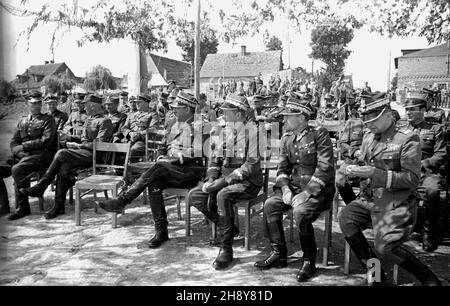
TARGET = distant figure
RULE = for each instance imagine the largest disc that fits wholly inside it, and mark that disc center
(366, 89)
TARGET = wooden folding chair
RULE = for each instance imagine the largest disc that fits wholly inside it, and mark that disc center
(102, 182)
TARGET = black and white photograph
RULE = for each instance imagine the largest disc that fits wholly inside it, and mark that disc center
(224, 149)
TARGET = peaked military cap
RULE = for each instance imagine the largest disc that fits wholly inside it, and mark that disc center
(372, 110)
(35, 97)
(63, 94)
(92, 98)
(171, 82)
(296, 106)
(235, 102)
(184, 99)
(79, 96)
(173, 94)
(111, 99)
(259, 98)
(142, 98)
(123, 94)
(415, 98)
(51, 98)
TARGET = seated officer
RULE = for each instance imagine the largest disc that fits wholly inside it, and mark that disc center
(33, 145)
(77, 155)
(387, 200)
(176, 166)
(60, 117)
(135, 128)
(117, 118)
(78, 116)
(304, 183)
(434, 156)
(230, 178)
(165, 114)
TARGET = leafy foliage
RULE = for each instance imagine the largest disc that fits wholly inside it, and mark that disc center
(58, 83)
(274, 43)
(99, 78)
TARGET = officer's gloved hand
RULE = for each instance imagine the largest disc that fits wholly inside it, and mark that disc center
(207, 184)
(301, 198)
(216, 185)
(287, 195)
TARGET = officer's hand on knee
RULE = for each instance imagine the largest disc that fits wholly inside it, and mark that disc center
(287, 195)
(216, 185)
(302, 197)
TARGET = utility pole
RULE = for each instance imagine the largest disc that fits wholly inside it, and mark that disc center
(197, 53)
(288, 44)
(389, 73)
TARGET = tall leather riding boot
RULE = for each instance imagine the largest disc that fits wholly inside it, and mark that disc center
(160, 218)
(22, 204)
(4, 202)
(225, 257)
(414, 266)
(309, 248)
(430, 225)
(127, 196)
(360, 246)
(39, 188)
(347, 193)
(62, 186)
(278, 256)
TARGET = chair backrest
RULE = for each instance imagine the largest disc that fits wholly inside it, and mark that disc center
(153, 139)
(113, 148)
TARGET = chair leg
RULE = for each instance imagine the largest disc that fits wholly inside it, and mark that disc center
(77, 207)
(41, 203)
(114, 215)
(347, 258)
(188, 217)
(327, 236)
(106, 194)
(71, 195)
(145, 197)
(213, 230)
(95, 202)
(395, 275)
(179, 208)
(291, 226)
(236, 217)
(247, 228)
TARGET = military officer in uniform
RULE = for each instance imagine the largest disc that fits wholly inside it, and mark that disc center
(390, 174)
(60, 117)
(77, 118)
(433, 114)
(304, 183)
(32, 146)
(350, 145)
(434, 156)
(77, 155)
(123, 102)
(177, 166)
(117, 118)
(234, 173)
(135, 128)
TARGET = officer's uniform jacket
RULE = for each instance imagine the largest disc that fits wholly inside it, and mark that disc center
(306, 161)
(60, 118)
(235, 156)
(434, 150)
(396, 157)
(351, 137)
(185, 139)
(137, 123)
(76, 121)
(435, 115)
(35, 134)
(118, 120)
(96, 127)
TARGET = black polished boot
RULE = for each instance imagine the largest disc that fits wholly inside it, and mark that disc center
(225, 257)
(309, 248)
(161, 236)
(429, 237)
(55, 211)
(414, 266)
(347, 193)
(363, 251)
(125, 197)
(4, 206)
(278, 256)
(39, 188)
(22, 204)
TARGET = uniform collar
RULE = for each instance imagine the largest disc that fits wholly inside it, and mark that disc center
(387, 135)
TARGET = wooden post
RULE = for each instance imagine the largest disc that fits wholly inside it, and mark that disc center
(197, 53)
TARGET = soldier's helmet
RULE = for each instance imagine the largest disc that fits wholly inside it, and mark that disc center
(372, 107)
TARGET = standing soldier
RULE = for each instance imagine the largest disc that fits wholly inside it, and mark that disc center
(60, 117)
(123, 102)
(304, 183)
(77, 155)
(230, 178)
(117, 118)
(433, 114)
(78, 116)
(434, 156)
(176, 166)
(135, 128)
(387, 200)
(32, 147)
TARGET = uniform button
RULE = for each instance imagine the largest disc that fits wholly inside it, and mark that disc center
(371, 160)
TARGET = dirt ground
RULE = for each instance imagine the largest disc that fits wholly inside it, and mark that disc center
(35, 251)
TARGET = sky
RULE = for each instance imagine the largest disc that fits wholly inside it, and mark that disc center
(369, 60)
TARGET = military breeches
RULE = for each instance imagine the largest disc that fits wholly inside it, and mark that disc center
(229, 195)
(304, 213)
(70, 159)
(199, 200)
(430, 187)
(137, 151)
(391, 227)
